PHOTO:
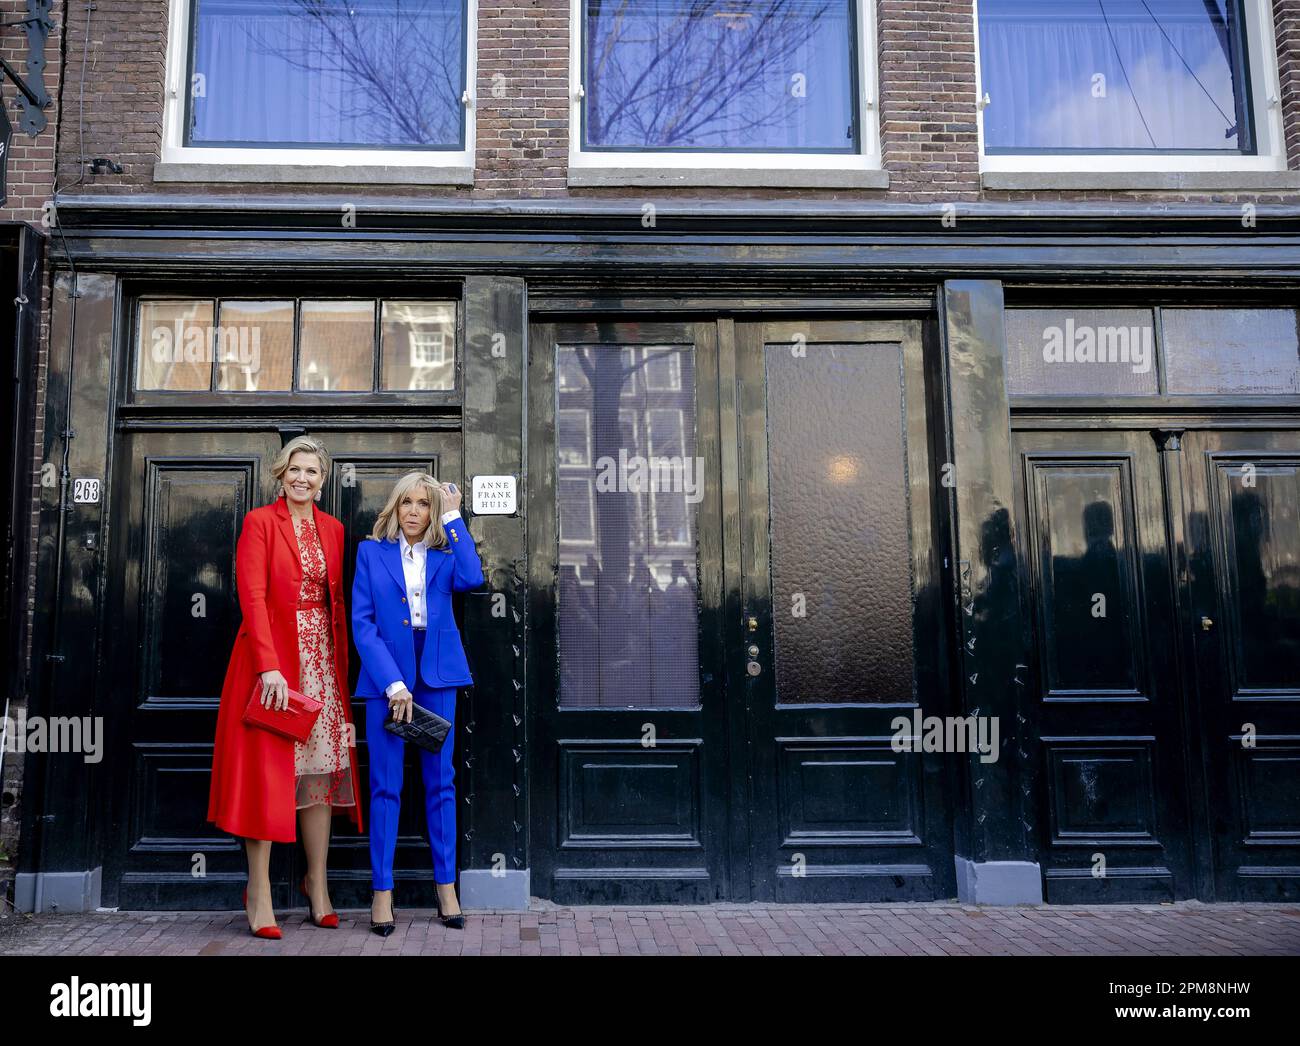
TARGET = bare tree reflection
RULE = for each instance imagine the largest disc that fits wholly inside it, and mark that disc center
(682, 74)
(387, 63)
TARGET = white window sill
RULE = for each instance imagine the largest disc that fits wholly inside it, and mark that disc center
(1191, 181)
(311, 174)
(731, 177)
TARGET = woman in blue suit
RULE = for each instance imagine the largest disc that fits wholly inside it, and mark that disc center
(419, 552)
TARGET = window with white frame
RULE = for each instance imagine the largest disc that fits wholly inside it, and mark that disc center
(320, 81)
(1143, 85)
(723, 83)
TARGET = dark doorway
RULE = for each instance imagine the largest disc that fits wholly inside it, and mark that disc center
(1165, 589)
(179, 503)
(713, 694)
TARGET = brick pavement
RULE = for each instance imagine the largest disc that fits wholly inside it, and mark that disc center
(725, 929)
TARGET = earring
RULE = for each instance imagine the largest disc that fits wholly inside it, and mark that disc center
(317, 495)
(283, 493)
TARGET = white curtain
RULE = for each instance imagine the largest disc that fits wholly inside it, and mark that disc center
(1040, 75)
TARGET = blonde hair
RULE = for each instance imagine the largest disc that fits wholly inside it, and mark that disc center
(307, 444)
(387, 526)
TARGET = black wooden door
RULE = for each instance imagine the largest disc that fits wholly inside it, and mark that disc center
(627, 747)
(179, 500)
(178, 505)
(1243, 552)
(367, 463)
(1111, 781)
(838, 632)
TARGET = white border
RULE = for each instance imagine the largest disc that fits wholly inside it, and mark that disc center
(868, 109)
(1271, 144)
(177, 82)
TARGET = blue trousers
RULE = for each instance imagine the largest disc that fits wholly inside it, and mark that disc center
(386, 757)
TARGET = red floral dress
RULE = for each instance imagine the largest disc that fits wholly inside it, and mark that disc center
(322, 762)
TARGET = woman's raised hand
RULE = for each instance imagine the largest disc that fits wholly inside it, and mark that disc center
(275, 688)
(450, 496)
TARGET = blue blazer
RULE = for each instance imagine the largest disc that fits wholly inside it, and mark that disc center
(381, 618)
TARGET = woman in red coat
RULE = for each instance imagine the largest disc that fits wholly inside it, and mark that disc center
(289, 575)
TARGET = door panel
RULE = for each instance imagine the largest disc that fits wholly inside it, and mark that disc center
(841, 629)
(179, 503)
(629, 764)
(1113, 818)
(1243, 536)
(367, 464)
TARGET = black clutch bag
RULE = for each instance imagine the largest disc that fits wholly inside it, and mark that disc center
(426, 729)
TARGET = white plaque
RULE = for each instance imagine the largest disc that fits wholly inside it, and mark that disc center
(85, 491)
(494, 496)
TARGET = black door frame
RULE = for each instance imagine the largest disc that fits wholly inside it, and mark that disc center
(1170, 422)
(720, 409)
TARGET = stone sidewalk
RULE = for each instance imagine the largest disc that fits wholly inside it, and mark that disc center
(725, 929)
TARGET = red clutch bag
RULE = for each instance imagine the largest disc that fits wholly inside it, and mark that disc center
(294, 722)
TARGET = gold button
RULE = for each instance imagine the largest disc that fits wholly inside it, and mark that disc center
(405, 622)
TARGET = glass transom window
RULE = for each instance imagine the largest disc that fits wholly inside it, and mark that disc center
(1116, 76)
(719, 75)
(242, 345)
(334, 75)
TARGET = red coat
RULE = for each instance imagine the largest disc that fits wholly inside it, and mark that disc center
(253, 790)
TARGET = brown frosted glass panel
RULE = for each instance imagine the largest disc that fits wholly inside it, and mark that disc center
(419, 345)
(255, 346)
(336, 352)
(174, 346)
(628, 584)
(1081, 352)
(1262, 525)
(840, 548)
(1231, 351)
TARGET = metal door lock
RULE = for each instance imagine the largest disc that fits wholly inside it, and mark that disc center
(1206, 624)
(753, 668)
(753, 650)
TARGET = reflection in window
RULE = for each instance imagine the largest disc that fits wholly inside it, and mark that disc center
(745, 75)
(174, 346)
(336, 353)
(374, 73)
(573, 438)
(1114, 75)
(628, 584)
(419, 345)
(255, 346)
(1080, 352)
(1227, 351)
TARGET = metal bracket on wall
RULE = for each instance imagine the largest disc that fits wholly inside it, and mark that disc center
(35, 98)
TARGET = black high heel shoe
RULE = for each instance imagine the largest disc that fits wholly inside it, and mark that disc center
(454, 922)
(384, 929)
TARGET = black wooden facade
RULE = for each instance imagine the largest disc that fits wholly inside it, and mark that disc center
(1136, 790)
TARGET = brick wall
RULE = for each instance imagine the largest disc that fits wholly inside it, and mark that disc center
(926, 53)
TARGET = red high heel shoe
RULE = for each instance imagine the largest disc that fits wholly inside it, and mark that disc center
(327, 922)
(268, 933)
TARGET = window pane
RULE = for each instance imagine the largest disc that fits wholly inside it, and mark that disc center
(1125, 75)
(1081, 352)
(1231, 351)
(419, 345)
(174, 346)
(255, 346)
(337, 349)
(628, 613)
(837, 480)
(748, 75)
(364, 73)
